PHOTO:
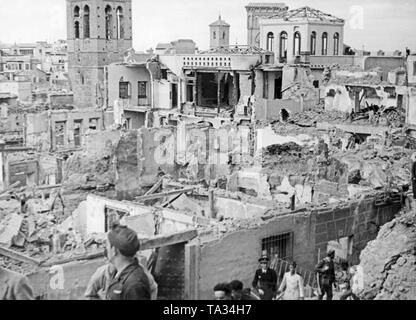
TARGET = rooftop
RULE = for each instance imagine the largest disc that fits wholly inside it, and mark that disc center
(220, 23)
(267, 5)
(308, 14)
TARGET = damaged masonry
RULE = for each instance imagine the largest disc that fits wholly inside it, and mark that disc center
(288, 147)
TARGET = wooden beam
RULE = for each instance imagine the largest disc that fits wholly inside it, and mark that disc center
(168, 239)
(165, 194)
(155, 187)
(10, 188)
(171, 199)
(18, 256)
(145, 244)
(88, 256)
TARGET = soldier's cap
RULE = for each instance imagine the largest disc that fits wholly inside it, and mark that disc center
(125, 240)
(264, 259)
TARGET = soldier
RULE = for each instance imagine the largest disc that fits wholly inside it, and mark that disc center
(130, 281)
(265, 280)
(326, 275)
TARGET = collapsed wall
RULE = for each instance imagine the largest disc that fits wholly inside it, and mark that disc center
(93, 167)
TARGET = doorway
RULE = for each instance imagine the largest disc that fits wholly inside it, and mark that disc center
(174, 94)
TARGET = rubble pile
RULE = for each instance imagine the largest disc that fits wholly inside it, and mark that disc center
(92, 168)
(389, 262)
(318, 114)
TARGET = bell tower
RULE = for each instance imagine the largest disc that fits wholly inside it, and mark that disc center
(98, 33)
(219, 34)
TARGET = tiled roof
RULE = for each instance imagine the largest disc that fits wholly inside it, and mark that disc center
(219, 22)
(308, 14)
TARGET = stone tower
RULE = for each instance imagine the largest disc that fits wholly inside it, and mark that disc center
(219, 34)
(98, 32)
(255, 11)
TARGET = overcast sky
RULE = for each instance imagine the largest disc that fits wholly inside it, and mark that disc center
(386, 24)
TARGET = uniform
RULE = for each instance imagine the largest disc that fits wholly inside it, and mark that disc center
(267, 281)
(131, 284)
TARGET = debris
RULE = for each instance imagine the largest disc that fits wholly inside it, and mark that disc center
(11, 229)
(18, 256)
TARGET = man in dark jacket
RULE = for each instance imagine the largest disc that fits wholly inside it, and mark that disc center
(130, 281)
(265, 280)
(326, 275)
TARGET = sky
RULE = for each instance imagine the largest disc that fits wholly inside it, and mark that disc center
(370, 24)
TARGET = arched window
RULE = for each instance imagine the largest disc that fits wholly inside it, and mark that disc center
(76, 12)
(214, 35)
(283, 45)
(325, 44)
(223, 35)
(270, 41)
(76, 29)
(296, 43)
(313, 43)
(86, 22)
(336, 43)
(108, 23)
(120, 26)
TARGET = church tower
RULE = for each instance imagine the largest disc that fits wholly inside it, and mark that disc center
(219, 34)
(99, 32)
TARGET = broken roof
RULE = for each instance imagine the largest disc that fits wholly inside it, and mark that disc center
(308, 14)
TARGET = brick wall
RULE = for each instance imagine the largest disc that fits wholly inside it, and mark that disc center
(361, 220)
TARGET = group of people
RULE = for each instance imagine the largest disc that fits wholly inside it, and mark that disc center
(125, 278)
(264, 285)
(292, 286)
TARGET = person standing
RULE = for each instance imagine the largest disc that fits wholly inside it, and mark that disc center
(129, 282)
(265, 280)
(98, 285)
(326, 275)
(292, 285)
(14, 286)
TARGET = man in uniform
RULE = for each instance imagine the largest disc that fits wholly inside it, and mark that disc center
(265, 280)
(14, 286)
(130, 281)
(98, 285)
(326, 275)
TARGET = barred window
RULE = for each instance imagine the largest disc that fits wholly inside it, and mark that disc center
(142, 89)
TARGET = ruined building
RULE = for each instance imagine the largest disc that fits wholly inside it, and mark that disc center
(99, 32)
